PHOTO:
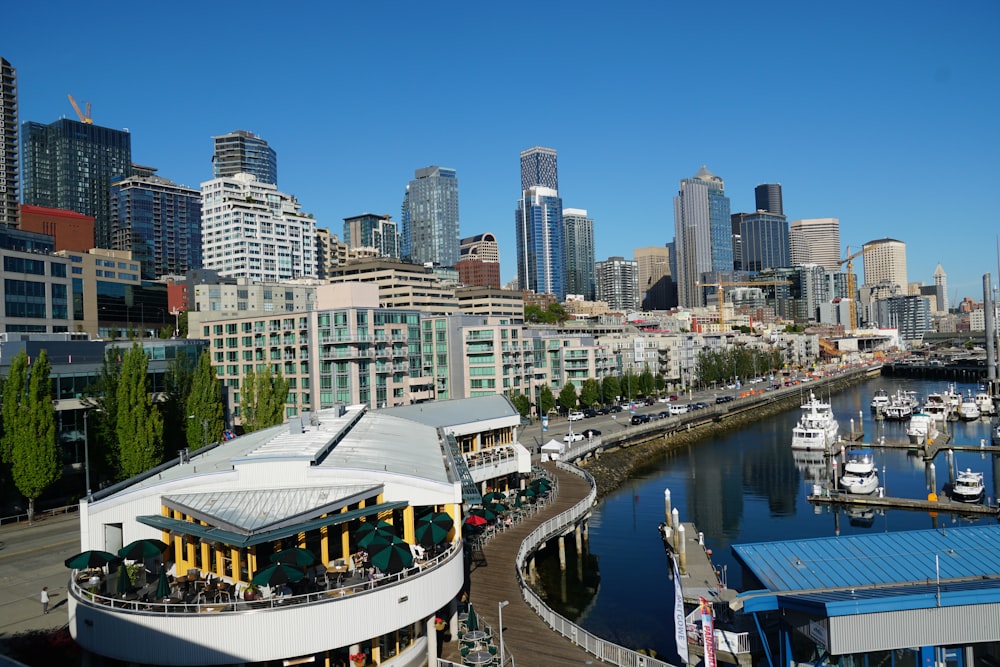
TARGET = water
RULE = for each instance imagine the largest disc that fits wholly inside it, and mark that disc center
(738, 488)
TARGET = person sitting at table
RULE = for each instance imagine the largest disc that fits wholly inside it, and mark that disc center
(417, 552)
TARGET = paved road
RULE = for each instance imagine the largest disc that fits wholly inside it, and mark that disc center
(32, 557)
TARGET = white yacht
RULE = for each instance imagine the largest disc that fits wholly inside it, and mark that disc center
(817, 428)
(922, 428)
(953, 399)
(860, 475)
(900, 406)
(968, 487)
(880, 399)
(968, 409)
(985, 402)
(936, 407)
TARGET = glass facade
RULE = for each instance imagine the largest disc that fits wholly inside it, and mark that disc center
(540, 243)
(430, 217)
(764, 243)
(242, 152)
(578, 232)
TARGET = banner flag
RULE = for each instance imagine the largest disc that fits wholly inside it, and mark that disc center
(708, 632)
(680, 621)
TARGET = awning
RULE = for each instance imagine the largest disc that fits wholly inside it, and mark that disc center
(241, 541)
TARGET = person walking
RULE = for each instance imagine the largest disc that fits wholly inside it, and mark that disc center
(45, 599)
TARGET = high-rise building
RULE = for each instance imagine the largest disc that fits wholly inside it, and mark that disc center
(703, 234)
(9, 183)
(480, 262)
(240, 152)
(768, 198)
(430, 217)
(578, 235)
(885, 267)
(69, 164)
(653, 266)
(941, 282)
(815, 241)
(250, 230)
(540, 243)
(373, 231)
(763, 241)
(539, 167)
(159, 221)
(618, 283)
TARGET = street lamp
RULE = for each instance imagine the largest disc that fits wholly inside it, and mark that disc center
(500, 606)
(86, 456)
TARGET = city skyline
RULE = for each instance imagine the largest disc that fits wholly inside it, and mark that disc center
(883, 124)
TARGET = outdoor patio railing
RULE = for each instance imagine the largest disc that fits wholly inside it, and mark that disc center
(589, 642)
(274, 602)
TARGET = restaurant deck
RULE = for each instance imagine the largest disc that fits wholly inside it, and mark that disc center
(525, 635)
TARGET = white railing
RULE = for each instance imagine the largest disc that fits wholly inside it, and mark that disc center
(589, 642)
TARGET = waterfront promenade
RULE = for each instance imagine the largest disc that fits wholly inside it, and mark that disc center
(525, 634)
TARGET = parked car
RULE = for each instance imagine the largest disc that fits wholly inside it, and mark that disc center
(723, 399)
(640, 419)
(700, 405)
(663, 399)
(575, 416)
(663, 415)
(674, 397)
(573, 437)
(590, 412)
(604, 411)
(615, 408)
(591, 433)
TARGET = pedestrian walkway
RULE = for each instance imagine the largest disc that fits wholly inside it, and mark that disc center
(525, 635)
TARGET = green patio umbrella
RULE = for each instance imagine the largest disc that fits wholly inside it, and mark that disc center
(390, 554)
(89, 559)
(494, 497)
(295, 556)
(124, 583)
(163, 586)
(486, 512)
(371, 529)
(276, 574)
(472, 622)
(142, 549)
(433, 528)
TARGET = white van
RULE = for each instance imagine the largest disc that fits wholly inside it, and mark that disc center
(676, 409)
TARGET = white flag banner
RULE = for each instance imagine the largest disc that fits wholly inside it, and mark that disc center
(680, 621)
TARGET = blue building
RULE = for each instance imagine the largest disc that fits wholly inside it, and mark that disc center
(70, 165)
(702, 233)
(158, 221)
(763, 241)
(539, 167)
(540, 243)
(240, 152)
(430, 217)
(578, 234)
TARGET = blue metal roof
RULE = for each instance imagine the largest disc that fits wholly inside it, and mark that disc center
(879, 571)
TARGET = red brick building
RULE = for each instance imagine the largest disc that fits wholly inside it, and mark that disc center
(475, 272)
(71, 230)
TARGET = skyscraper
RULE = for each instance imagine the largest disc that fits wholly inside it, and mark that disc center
(480, 263)
(763, 241)
(271, 240)
(430, 217)
(373, 231)
(815, 241)
(69, 165)
(618, 283)
(159, 221)
(240, 152)
(768, 198)
(885, 267)
(539, 167)
(941, 281)
(703, 234)
(540, 243)
(578, 235)
(9, 185)
(653, 264)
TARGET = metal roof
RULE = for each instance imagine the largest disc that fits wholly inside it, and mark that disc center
(455, 411)
(842, 570)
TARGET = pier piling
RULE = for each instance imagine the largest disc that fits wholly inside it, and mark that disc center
(666, 506)
(681, 549)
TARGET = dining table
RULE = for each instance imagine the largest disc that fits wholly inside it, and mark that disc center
(473, 636)
(477, 658)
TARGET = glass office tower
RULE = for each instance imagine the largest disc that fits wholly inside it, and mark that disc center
(430, 217)
(540, 243)
(242, 152)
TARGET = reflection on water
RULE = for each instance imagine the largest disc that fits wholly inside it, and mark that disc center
(746, 486)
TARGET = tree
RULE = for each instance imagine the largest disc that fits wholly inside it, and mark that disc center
(521, 403)
(262, 400)
(546, 401)
(102, 398)
(590, 393)
(610, 389)
(555, 313)
(30, 444)
(532, 314)
(177, 382)
(568, 397)
(139, 425)
(205, 417)
(647, 383)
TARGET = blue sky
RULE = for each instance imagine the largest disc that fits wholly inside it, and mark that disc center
(882, 114)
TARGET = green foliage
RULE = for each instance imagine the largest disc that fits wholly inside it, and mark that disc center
(590, 393)
(204, 419)
(165, 332)
(103, 398)
(568, 397)
(610, 388)
(139, 425)
(725, 365)
(182, 324)
(554, 313)
(30, 444)
(546, 401)
(629, 384)
(661, 382)
(262, 400)
(647, 383)
(522, 404)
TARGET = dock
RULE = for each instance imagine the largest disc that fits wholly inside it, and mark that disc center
(942, 505)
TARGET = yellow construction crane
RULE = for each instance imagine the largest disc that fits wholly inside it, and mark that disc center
(84, 118)
(851, 288)
(721, 297)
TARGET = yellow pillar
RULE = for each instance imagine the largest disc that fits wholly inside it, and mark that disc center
(234, 557)
(324, 544)
(453, 510)
(408, 525)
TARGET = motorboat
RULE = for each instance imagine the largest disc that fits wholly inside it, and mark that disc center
(900, 408)
(922, 428)
(953, 399)
(985, 403)
(860, 475)
(817, 428)
(968, 409)
(936, 407)
(968, 487)
(880, 399)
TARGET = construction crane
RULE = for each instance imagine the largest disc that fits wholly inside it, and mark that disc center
(84, 118)
(851, 288)
(721, 297)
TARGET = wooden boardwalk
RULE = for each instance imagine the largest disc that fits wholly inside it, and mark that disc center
(525, 635)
